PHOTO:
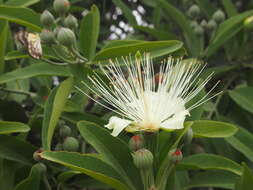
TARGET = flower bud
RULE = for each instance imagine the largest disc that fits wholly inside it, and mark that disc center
(41, 167)
(46, 18)
(66, 37)
(70, 144)
(194, 11)
(193, 24)
(175, 155)
(248, 23)
(136, 142)
(36, 155)
(61, 6)
(58, 147)
(65, 131)
(189, 136)
(71, 22)
(211, 25)
(47, 37)
(198, 30)
(143, 159)
(203, 23)
(219, 16)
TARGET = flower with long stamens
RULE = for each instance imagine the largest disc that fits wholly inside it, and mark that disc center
(144, 101)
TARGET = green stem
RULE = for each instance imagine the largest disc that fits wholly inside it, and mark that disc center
(17, 92)
(77, 54)
(45, 180)
(53, 63)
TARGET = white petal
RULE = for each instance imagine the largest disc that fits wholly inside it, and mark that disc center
(176, 122)
(117, 124)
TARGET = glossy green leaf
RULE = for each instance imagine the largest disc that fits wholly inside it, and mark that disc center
(34, 70)
(89, 31)
(246, 180)
(109, 147)
(4, 28)
(226, 31)
(7, 127)
(219, 179)
(213, 129)
(206, 161)
(126, 11)
(116, 43)
(155, 48)
(53, 109)
(11, 148)
(32, 181)
(89, 165)
(243, 97)
(229, 7)
(242, 141)
(21, 3)
(28, 17)
(192, 41)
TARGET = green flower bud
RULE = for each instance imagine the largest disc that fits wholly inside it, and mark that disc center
(211, 25)
(248, 23)
(70, 144)
(47, 37)
(175, 155)
(219, 16)
(71, 22)
(194, 11)
(203, 23)
(193, 24)
(198, 30)
(58, 147)
(61, 6)
(143, 159)
(65, 131)
(46, 18)
(66, 37)
(41, 167)
(136, 142)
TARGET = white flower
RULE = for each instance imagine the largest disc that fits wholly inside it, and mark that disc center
(147, 102)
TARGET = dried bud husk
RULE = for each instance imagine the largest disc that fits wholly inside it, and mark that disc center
(71, 22)
(248, 23)
(46, 18)
(70, 144)
(175, 155)
(194, 11)
(65, 131)
(36, 155)
(219, 16)
(143, 159)
(66, 37)
(47, 37)
(211, 25)
(136, 142)
(198, 30)
(61, 6)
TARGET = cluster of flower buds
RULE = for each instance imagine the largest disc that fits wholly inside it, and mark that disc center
(60, 30)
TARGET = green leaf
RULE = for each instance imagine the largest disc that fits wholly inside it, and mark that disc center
(54, 107)
(126, 11)
(242, 141)
(192, 41)
(28, 17)
(114, 151)
(155, 48)
(21, 3)
(32, 181)
(34, 70)
(219, 179)
(229, 7)
(246, 180)
(226, 31)
(243, 97)
(4, 28)
(89, 165)
(67, 175)
(206, 161)
(16, 150)
(7, 127)
(89, 32)
(212, 129)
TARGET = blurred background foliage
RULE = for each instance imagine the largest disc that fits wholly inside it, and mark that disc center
(218, 32)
